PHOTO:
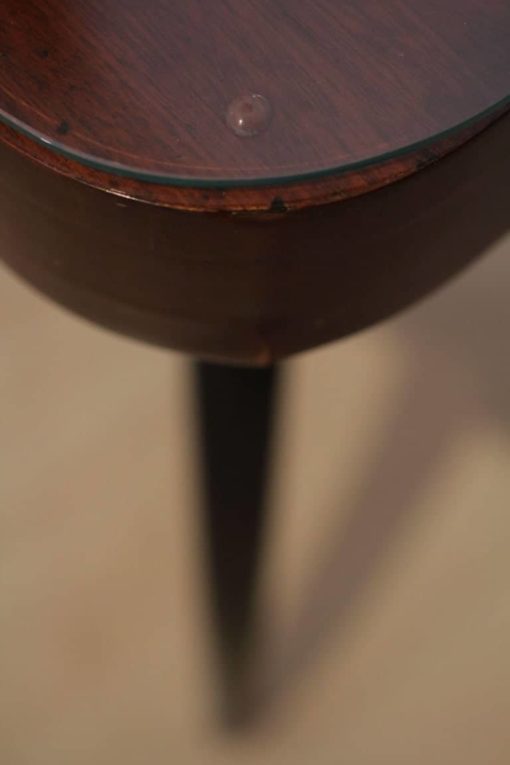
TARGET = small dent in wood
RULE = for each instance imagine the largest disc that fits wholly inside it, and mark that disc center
(278, 205)
(63, 128)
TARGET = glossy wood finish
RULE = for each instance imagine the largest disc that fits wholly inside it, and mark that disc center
(266, 267)
(252, 274)
(147, 85)
(270, 198)
(253, 288)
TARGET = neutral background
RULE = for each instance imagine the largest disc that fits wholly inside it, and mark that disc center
(387, 582)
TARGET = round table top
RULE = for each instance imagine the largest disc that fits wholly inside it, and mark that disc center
(248, 92)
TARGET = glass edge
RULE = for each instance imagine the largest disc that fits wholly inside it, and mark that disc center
(133, 173)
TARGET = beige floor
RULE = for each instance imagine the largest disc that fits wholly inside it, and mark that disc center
(387, 583)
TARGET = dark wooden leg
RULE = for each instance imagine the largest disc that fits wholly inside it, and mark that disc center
(235, 414)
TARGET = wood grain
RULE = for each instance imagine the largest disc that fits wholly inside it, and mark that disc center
(251, 272)
(147, 85)
(245, 289)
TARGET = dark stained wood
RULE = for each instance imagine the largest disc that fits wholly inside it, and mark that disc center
(252, 272)
(147, 85)
(236, 409)
(271, 199)
(251, 288)
(126, 196)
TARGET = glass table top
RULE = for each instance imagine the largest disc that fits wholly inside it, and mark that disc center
(246, 92)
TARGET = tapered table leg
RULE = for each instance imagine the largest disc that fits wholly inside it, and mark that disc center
(235, 420)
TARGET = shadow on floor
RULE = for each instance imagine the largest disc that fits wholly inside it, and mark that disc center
(457, 373)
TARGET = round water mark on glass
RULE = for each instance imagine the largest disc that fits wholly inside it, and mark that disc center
(249, 115)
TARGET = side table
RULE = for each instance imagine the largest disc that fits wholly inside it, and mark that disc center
(241, 182)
